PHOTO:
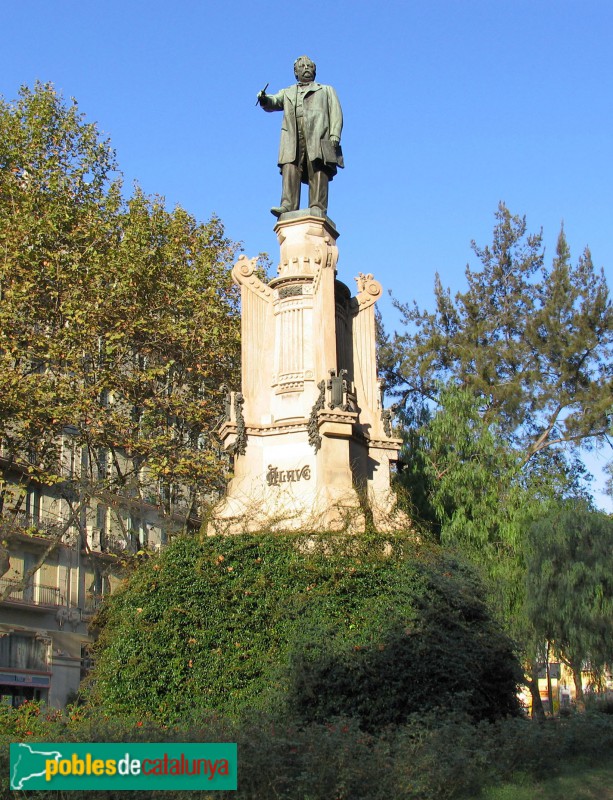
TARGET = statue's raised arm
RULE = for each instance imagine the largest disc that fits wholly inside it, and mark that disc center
(310, 150)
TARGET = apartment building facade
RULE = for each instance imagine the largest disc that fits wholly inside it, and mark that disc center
(60, 556)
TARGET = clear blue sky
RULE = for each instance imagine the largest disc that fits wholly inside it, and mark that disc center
(450, 106)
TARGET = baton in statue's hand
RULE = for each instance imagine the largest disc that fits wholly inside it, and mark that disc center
(262, 94)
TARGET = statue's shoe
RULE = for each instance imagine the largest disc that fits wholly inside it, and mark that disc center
(278, 210)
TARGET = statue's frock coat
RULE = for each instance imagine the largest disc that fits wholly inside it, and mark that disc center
(322, 118)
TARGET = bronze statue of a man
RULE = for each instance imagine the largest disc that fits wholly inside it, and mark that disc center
(310, 149)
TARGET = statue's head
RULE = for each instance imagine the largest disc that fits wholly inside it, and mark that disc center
(304, 69)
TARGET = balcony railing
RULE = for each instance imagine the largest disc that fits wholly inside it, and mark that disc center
(92, 603)
(42, 524)
(29, 595)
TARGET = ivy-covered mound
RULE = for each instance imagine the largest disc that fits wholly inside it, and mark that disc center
(305, 626)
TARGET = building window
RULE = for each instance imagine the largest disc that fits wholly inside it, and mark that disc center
(102, 525)
(102, 465)
(33, 505)
(70, 457)
(19, 651)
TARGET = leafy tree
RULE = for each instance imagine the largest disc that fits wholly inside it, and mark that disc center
(469, 485)
(499, 389)
(570, 586)
(472, 490)
(533, 343)
(118, 323)
(308, 627)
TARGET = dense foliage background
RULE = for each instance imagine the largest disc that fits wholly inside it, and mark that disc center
(119, 320)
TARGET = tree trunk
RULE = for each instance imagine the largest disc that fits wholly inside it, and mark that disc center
(549, 690)
(579, 699)
(538, 712)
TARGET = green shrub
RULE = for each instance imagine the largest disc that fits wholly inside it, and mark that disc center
(430, 757)
(601, 703)
(308, 627)
(31, 719)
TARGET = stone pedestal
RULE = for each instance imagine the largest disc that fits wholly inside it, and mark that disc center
(312, 444)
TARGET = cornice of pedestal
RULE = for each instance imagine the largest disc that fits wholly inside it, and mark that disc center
(297, 425)
(385, 444)
(381, 444)
(304, 218)
(337, 415)
(336, 423)
(227, 429)
(329, 423)
(291, 279)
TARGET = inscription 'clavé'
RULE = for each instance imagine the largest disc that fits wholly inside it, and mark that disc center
(275, 476)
